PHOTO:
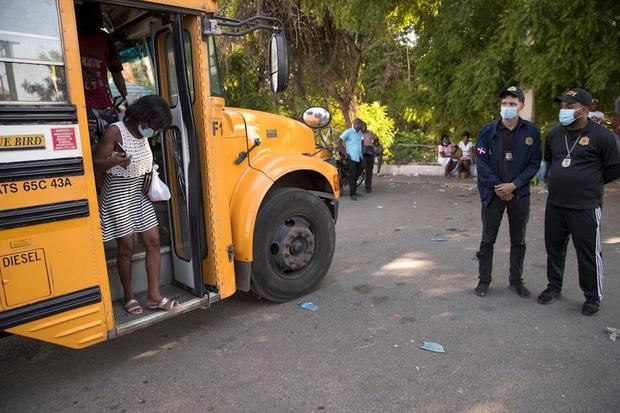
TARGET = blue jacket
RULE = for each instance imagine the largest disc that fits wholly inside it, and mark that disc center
(526, 157)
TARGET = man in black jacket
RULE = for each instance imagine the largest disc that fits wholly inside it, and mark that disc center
(582, 157)
(508, 154)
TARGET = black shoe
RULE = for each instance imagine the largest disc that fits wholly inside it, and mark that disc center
(482, 289)
(368, 190)
(520, 289)
(590, 307)
(353, 197)
(548, 296)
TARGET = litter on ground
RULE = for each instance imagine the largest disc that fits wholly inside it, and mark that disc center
(434, 347)
(613, 333)
(307, 305)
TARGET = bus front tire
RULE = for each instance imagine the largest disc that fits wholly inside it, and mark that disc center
(294, 241)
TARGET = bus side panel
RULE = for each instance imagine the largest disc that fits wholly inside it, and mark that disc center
(76, 89)
(77, 328)
(54, 284)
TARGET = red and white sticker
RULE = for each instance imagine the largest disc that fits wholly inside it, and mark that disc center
(35, 142)
(64, 139)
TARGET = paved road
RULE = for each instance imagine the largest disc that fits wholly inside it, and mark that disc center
(389, 289)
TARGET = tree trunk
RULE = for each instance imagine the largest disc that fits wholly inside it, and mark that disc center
(347, 96)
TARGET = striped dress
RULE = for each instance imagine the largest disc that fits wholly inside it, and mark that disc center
(123, 207)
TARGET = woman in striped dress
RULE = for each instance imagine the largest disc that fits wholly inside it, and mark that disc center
(125, 156)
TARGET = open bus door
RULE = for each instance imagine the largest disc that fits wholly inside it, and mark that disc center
(170, 56)
(181, 156)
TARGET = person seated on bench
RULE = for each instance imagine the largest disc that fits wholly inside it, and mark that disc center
(465, 160)
(445, 156)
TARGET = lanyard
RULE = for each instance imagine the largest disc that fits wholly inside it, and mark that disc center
(571, 149)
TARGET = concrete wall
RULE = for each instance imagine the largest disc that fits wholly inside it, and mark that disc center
(415, 169)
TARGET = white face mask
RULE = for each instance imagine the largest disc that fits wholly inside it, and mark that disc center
(146, 132)
(567, 116)
(508, 112)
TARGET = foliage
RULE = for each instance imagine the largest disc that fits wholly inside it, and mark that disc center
(431, 66)
(414, 146)
(376, 117)
(469, 50)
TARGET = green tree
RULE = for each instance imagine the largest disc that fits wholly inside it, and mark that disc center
(468, 50)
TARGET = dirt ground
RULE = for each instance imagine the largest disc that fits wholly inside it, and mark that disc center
(403, 273)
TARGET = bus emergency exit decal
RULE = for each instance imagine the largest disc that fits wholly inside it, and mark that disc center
(64, 139)
(22, 142)
(49, 141)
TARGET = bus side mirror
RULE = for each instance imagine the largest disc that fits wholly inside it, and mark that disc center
(317, 117)
(278, 63)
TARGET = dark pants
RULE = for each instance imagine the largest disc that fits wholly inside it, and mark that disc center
(354, 171)
(369, 163)
(379, 163)
(583, 226)
(518, 215)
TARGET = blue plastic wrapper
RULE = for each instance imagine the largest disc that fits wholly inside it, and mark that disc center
(434, 347)
(307, 305)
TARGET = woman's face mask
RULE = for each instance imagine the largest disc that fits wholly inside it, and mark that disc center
(146, 132)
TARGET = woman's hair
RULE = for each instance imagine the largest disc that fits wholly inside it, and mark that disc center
(466, 133)
(152, 110)
(444, 136)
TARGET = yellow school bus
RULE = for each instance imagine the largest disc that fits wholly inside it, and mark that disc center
(253, 203)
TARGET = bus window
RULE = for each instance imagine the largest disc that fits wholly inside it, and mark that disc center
(31, 53)
(137, 71)
(173, 88)
(214, 74)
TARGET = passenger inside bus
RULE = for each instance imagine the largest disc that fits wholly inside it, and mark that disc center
(125, 156)
(98, 56)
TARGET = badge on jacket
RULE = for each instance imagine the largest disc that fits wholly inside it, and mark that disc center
(529, 140)
(584, 141)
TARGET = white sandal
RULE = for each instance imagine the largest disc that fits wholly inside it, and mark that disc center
(166, 304)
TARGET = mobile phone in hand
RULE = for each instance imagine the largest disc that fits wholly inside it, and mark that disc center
(119, 149)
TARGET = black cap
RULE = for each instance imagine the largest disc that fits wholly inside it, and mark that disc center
(512, 91)
(575, 95)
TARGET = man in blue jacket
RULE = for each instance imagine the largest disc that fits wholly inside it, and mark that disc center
(508, 153)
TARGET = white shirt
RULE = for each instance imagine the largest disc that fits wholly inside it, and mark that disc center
(466, 149)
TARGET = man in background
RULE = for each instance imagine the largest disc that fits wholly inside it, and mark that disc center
(352, 139)
(369, 156)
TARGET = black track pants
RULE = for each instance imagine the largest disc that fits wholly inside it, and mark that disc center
(583, 226)
(518, 215)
